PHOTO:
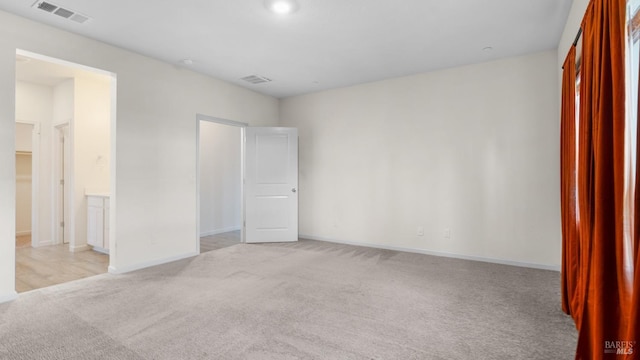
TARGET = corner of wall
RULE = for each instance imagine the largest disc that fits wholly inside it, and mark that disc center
(10, 296)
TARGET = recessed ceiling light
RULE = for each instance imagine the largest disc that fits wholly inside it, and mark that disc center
(281, 7)
(186, 62)
(487, 49)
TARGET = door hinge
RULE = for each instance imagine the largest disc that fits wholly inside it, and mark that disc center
(62, 182)
(61, 223)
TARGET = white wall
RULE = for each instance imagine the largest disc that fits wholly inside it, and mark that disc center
(472, 149)
(34, 104)
(91, 147)
(23, 193)
(220, 178)
(574, 20)
(154, 192)
(63, 102)
(23, 137)
(23, 178)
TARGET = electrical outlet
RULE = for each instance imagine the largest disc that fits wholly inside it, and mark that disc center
(420, 231)
(447, 233)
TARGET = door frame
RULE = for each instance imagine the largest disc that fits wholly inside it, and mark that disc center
(62, 159)
(35, 180)
(242, 126)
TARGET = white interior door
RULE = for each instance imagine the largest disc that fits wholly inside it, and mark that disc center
(271, 184)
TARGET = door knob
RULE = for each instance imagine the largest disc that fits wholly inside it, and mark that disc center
(293, 190)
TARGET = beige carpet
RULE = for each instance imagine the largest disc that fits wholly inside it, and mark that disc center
(308, 300)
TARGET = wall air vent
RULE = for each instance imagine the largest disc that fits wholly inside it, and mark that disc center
(256, 79)
(60, 11)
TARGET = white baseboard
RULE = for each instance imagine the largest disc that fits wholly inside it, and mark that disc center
(436, 253)
(23, 233)
(220, 231)
(8, 297)
(79, 248)
(126, 269)
(100, 250)
(44, 243)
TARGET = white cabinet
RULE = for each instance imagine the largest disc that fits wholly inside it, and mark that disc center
(98, 222)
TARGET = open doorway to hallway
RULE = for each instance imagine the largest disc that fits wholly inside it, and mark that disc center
(70, 109)
(220, 183)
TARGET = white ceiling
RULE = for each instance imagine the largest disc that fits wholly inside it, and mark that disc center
(325, 44)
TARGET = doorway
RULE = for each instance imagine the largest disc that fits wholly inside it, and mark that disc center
(262, 184)
(72, 111)
(219, 192)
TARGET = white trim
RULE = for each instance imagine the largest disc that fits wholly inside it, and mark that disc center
(8, 297)
(43, 244)
(23, 233)
(221, 231)
(126, 269)
(100, 250)
(59, 61)
(220, 121)
(436, 253)
(112, 170)
(198, 236)
(79, 248)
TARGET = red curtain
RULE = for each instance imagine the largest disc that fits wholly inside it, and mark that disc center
(604, 301)
(570, 244)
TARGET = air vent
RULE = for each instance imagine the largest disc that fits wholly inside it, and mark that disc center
(46, 6)
(64, 13)
(60, 11)
(80, 19)
(256, 79)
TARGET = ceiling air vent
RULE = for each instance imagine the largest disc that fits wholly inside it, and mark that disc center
(256, 79)
(60, 11)
(46, 6)
(81, 19)
(64, 13)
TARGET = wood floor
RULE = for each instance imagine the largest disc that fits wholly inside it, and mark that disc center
(50, 265)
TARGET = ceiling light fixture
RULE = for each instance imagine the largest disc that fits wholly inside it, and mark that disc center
(281, 7)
